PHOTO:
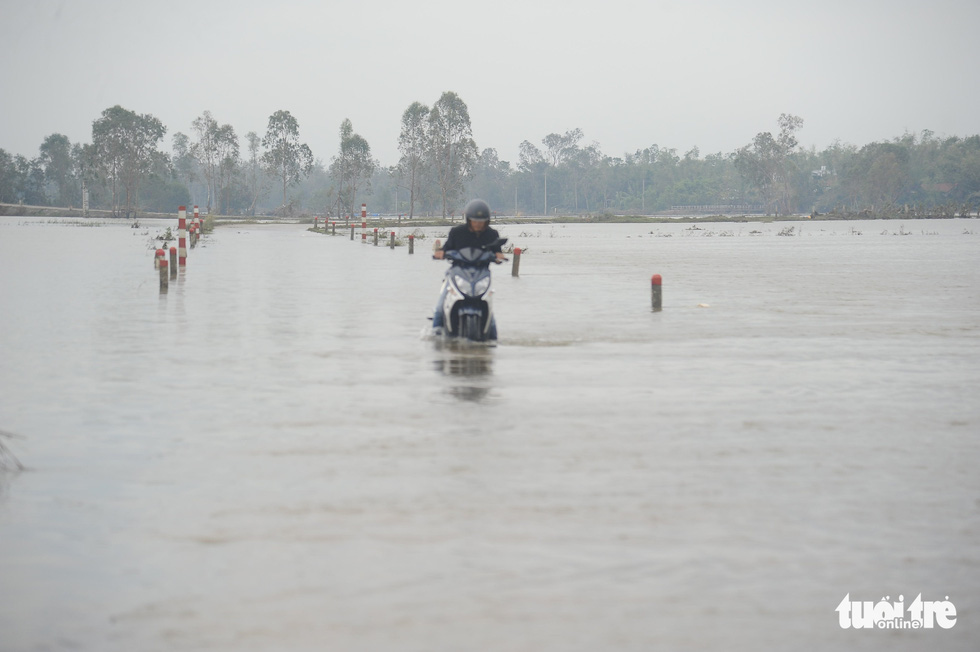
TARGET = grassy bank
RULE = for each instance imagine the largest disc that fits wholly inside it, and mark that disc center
(211, 221)
(24, 210)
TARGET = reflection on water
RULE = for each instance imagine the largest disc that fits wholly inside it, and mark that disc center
(469, 364)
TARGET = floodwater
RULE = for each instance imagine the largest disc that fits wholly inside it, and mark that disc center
(272, 455)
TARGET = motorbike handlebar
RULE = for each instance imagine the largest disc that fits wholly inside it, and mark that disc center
(450, 259)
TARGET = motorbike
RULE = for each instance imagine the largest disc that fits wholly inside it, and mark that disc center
(467, 307)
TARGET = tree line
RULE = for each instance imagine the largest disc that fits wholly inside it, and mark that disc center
(125, 170)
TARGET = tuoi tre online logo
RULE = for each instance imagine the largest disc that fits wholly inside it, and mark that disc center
(920, 614)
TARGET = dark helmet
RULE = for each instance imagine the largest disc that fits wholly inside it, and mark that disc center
(477, 209)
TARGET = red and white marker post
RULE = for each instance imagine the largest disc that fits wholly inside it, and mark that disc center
(182, 236)
(656, 293)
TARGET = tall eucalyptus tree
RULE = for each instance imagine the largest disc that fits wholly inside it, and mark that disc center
(205, 150)
(285, 157)
(125, 146)
(352, 167)
(413, 145)
(228, 164)
(766, 163)
(453, 151)
(59, 169)
(256, 178)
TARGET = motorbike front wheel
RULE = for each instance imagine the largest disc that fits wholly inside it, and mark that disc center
(469, 327)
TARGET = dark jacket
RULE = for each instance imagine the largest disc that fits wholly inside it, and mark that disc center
(461, 237)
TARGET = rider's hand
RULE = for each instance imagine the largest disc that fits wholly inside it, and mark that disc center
(500, 257)
(438, 254)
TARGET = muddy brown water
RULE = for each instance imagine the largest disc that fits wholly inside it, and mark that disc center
(274, 455)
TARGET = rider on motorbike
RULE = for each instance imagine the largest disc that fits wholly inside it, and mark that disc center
(476, 232)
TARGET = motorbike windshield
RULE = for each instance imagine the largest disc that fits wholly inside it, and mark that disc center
(471, 256)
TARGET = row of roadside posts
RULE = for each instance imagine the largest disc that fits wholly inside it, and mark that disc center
(516, 257)
(178, 254)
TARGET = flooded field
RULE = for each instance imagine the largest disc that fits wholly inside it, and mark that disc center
(274, 456)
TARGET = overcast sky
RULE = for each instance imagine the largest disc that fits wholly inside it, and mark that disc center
(628, 73)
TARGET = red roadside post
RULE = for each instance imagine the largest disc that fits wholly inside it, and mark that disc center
(182, 236)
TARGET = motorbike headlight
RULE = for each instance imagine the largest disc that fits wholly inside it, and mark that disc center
(464, 286)
(482, 286)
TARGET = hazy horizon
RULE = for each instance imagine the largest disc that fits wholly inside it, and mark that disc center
(709, 75)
